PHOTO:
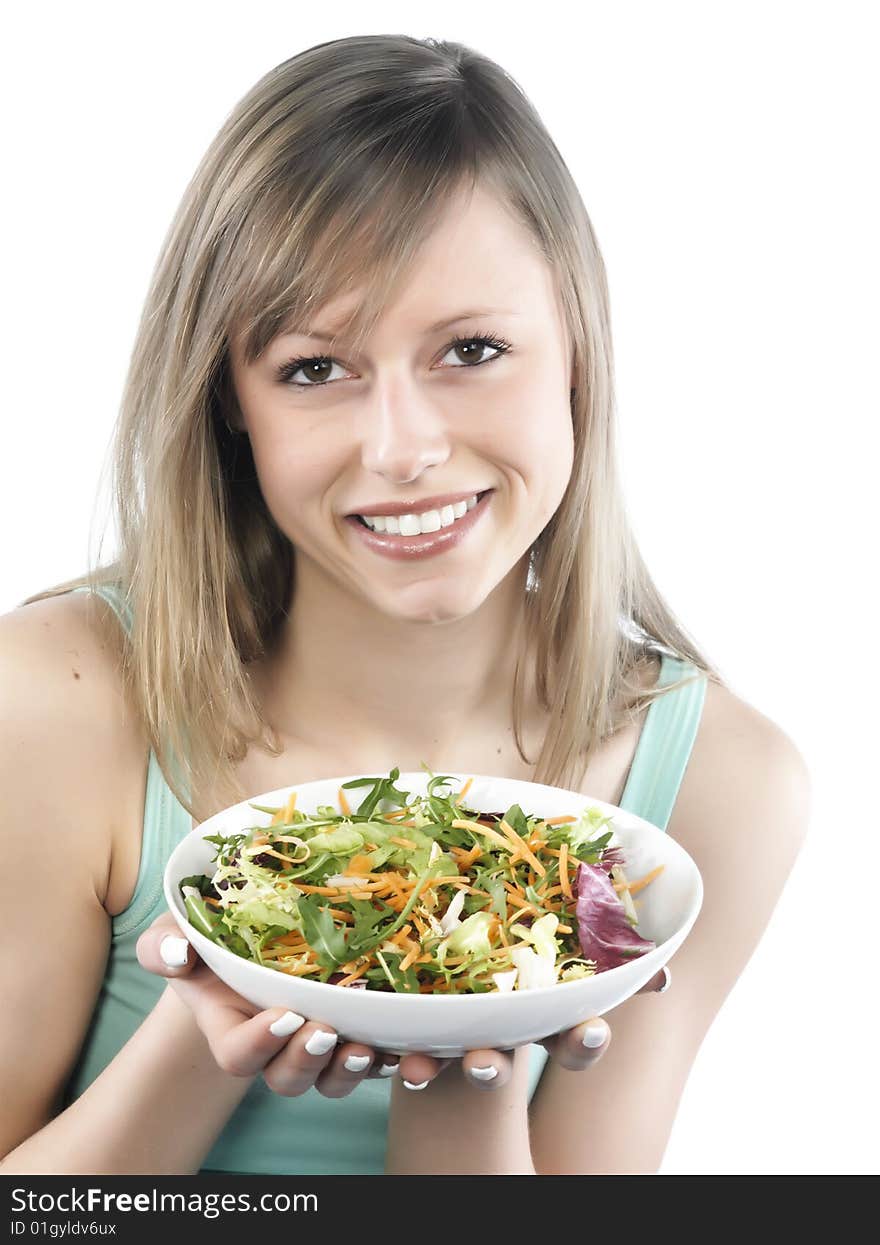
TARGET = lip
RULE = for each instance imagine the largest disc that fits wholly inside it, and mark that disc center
(426, 544)
(418, 507)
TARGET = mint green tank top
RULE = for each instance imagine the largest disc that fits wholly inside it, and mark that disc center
(313, 1135)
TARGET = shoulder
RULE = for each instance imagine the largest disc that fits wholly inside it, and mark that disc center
(67, 733)
(743, 765)
(742, 814)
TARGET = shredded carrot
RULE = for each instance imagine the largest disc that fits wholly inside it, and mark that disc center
(214, 902)
(520, 903)
(457, 799)
(563, 929)
(343, 803)
(523, 848)
(563, 871)
(486, 831)
(632, 887)
(278, 947)
(401, 935)
(395, 813)
(359, 972)
(410, 958)
(360, 865)
(466, 858)
(393, 838)
(557, 821)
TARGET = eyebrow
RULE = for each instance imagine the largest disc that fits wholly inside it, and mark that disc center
(328, 334)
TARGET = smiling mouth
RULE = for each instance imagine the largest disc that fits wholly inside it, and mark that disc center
(363, 523)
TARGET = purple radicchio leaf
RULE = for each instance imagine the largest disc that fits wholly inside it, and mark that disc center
(611, 856)
(604, 930)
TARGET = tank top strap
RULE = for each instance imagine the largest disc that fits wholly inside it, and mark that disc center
(665, 743)
(165, 822)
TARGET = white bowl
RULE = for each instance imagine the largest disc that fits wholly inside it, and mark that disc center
(450, 1025)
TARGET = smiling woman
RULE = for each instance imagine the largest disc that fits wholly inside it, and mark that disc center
(370, 516)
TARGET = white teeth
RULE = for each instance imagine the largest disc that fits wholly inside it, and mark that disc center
(415, 524)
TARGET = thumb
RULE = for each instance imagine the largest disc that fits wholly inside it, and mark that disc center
(162, 949)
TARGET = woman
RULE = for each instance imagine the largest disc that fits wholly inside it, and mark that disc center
(381, 296)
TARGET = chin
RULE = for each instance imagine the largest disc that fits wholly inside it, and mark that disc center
(432, 602)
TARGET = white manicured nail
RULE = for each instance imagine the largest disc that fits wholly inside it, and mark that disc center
(421, 1085)
(485, 1074)
(357, 1063)
(595, 1035)
(173, 951)
(287, 1024)
(667, 973)
(388, 1069)
(321, 1041)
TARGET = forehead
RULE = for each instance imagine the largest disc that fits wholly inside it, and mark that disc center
(469, 252)
(476, 256)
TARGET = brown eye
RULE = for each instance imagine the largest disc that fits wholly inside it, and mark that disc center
(315, 369)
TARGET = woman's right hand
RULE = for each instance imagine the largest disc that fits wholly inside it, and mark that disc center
(240, 1035)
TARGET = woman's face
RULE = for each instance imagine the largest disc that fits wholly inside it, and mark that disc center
(411, 418)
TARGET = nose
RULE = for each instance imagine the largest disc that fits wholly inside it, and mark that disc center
(403, 431)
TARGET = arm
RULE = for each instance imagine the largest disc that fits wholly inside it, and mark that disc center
(159, 1105)
(451, 1128)
(742, 814)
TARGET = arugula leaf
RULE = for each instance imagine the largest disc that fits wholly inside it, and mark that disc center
(328, 942)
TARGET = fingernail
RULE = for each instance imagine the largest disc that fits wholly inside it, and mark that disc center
(421, 1085)
(357, 1063)
(321, 1041)
(287, 1024)
(388, 1069)
(173, 951)
(667, 973)
(595, 1034)
(485, 1074)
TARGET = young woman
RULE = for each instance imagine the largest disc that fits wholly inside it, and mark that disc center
(381, 297)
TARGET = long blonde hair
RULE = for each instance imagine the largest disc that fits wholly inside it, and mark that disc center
(337, 164)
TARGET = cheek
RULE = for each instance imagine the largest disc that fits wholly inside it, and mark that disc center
(531, 434)
(293, 471)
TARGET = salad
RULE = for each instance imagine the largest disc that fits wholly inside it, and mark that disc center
(427, 897)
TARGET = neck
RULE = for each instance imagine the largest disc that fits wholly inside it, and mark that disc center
(347, 677)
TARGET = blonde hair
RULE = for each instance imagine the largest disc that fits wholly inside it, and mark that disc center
(337, 164)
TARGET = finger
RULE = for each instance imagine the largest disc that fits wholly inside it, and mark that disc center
(349, 1064)
(417, 1071)
(384, 1065)
(659, 983)
(580, 1047)
(244, 1047)
(296, 1068)
(163, 950)
(487, 1069)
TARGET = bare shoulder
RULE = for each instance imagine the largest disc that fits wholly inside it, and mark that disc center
(67, 728)
(746, 782)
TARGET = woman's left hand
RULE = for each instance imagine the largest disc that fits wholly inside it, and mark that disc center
(575, 1049)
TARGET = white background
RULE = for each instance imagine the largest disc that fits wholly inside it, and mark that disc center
(727, 157)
